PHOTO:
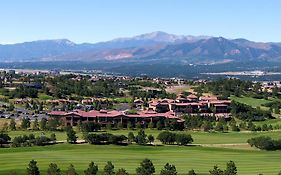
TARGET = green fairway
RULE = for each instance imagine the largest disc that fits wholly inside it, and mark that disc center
(43, 96)
(249, 162)
(272, 122)
(202, 159)
(198, 136)
(250, 101)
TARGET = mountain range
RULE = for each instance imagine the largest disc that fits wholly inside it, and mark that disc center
(150, 47)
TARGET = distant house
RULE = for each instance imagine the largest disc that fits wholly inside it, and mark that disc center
(138, 103)
(161, 106)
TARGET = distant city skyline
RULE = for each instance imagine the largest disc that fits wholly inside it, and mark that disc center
(95, 21)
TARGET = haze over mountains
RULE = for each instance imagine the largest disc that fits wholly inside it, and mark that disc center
(151, 47)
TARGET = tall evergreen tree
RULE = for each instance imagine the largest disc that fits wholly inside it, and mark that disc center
(32, 168)
(121, 171)
(92, 169)
(71, 135)
(191, 172)
(141, 138)
(71, 170)
(25, 123)
(216, 171)
(146, 168)
(230, 168)
(109, 168)
(53, 169)
(169, 170)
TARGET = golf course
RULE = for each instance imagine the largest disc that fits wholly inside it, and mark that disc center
(208, 149)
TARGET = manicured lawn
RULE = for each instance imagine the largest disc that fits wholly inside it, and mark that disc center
(43, 96)
(123, 99)
(272, 122)
(249, 162)
(214, 137)
(250, 101)
(199, 137)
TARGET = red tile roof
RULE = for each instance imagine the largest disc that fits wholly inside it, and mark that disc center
(94, 113)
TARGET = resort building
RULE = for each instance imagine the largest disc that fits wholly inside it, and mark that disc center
(112, 117)
(191, 104)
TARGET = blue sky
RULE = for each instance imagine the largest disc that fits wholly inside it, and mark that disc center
(101, 20)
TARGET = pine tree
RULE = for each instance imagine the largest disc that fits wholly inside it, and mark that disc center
(121, 171)
(92, 169)
(216, 171)
(109, 168)
(141, 138)
(146, 168)
(230, 168)
(191, 172)
(71, 170)
(25, 123)
(32, 168)
(71, 135)
(53, 169)
(168, 170)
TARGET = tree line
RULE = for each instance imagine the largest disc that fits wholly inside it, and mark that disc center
(26, 140)
(210, 123)
(146, 167)
(224, 88)
(141, 138)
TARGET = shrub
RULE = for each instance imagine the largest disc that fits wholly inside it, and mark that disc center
(183, 139)
(265, 143)
(167, 137)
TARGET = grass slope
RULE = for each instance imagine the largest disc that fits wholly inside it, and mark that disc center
(250, 101)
